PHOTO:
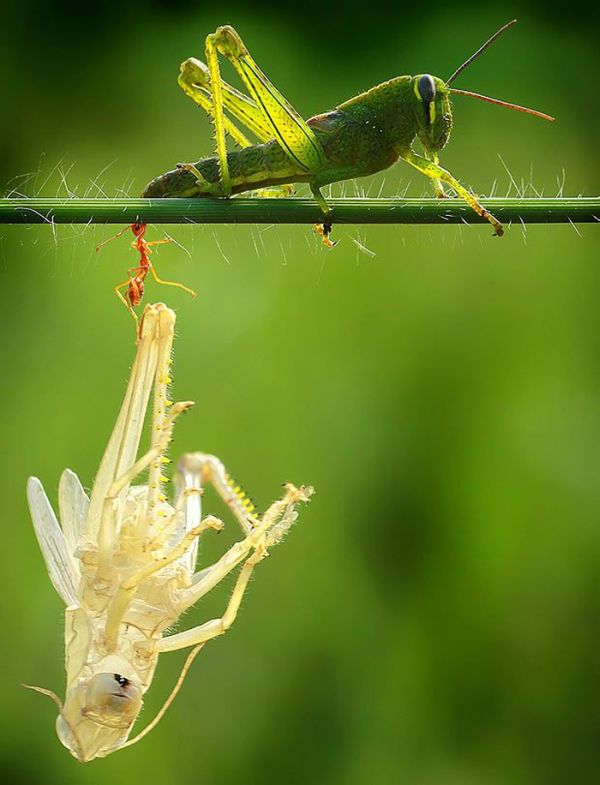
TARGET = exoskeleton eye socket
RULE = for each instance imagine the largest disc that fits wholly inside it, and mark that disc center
(426, 87)
(112, 695)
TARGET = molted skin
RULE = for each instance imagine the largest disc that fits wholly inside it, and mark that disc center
(124, 559)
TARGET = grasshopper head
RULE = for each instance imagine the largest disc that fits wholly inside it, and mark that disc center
(432, 111)
(98, 714)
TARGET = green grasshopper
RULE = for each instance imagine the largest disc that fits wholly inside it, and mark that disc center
(364, 135)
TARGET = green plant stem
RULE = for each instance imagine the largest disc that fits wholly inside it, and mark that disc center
(294, 211)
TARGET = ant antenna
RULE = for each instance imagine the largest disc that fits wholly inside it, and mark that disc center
(480, 51)
(110, 239)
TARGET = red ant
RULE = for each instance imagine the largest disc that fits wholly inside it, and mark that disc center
(137, 275)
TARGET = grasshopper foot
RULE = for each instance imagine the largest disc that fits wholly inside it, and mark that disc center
(323, 230)
(200, 179)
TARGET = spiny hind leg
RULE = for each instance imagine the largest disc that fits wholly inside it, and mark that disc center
(436, 172)
(194, 80)
(282, 121)
(198, 469)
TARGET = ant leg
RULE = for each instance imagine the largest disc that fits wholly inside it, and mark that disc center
(171, 283)
(162, 241)
(126, 302)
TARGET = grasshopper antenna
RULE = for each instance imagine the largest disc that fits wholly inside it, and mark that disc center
(55, 699)
(186, 666)
(480, 51)
(507, 105)
(48, 693)
(496, 101)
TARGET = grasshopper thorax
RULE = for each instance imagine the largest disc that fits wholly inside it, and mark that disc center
(433, 114)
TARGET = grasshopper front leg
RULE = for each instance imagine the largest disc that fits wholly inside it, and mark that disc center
(438, 173)
(438, 188)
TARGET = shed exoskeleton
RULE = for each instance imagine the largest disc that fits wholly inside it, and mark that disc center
(124, 559)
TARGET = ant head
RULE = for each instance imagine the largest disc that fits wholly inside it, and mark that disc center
(137, 228)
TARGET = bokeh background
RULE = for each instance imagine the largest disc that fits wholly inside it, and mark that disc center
(433, 617)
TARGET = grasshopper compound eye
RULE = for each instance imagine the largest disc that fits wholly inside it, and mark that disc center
(426, 88)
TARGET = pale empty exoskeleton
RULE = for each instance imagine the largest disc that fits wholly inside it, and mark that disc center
(124, 560)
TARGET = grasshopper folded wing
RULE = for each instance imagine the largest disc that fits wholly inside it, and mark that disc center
(60, 564)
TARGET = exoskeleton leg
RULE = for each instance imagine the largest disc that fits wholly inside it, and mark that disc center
(107, 534)
(215, 627)
(209, 469)
(272, 527)
(128, 588)
(436, 172)
(150, 370)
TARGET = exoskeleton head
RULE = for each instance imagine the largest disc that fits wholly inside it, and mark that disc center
(98, 714)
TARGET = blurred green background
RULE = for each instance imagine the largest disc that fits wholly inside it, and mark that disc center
(433, 617)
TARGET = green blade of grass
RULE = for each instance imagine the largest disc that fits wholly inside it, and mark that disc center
(295, 211)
